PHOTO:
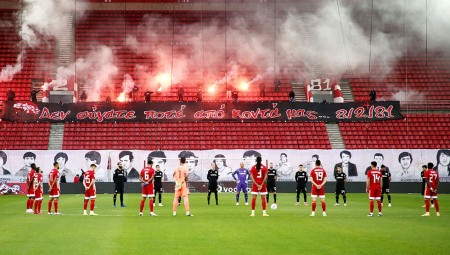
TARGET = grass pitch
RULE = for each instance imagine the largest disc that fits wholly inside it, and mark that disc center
(225, 229)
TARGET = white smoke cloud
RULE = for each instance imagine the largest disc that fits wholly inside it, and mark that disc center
(8, 72)
(97, 70)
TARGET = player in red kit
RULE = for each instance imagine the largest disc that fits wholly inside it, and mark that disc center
(318, 177)
(373, 187)
(39, 190)
(30, 188)
(53, 190)
(146, 177)
(431, 177)
(90, 192)
(258, 174)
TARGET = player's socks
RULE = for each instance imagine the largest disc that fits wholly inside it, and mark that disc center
(389, 198)
(436, 205)
(313, 206)
(55, 203)
(92, 205)
(427, 205)
(40, 206)
(151, 205)
(50, 202)
(275, 198)
(216, 196)
(264, 203)
(114, 199)
(304, 196)
(85, 212)
(382, 198)
(345, 199)
(253, 213)
(175, 204)
(85, 204)
(267, 197)
(121, 199)
(324, 206)
(337, 199)
(372, 205)
(186, 203)
(379, 205)
(246, 197)
(432, 202)
(209, 197)
(253, 203)
(237, 198)
(159, 197)
(141, 205)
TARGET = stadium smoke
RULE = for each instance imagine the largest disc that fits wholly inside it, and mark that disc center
(337, 37)
(39, 21)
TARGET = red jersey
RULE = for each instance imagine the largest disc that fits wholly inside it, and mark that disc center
(374, 177)
(30, 178)
(53, 177)
(433, 178)
(259, 176)
(89, 176)
(38, 180)
(318, 175)
(147, 173)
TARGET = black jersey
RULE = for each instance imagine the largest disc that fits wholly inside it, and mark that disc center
(386, 175)
(120, 176)
(271, 176)
(340, 179)
(212, 176)
(158, 178)
(301, 178)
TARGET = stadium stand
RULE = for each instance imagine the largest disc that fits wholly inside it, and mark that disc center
(24, 136)
(416, 131)
(195, 136)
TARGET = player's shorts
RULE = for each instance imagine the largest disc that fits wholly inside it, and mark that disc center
(430, 195)
(158, 188)
(374, 194)
(271, 187)
(241, 187)
(148, 191)
(301, 188)
(385, 190)
(262, 191)
(31, 192)
(317, 192)
(212, 187)
(54, 193)
(90, 193)
(39, 195)
(182, 192)
(119, 188)
(340, 190)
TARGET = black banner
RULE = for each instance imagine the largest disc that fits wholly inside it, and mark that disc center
(195, 111)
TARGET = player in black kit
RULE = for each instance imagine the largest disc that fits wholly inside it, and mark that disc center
(157, 181)
(341, 179)
(272, 177)
(213, 175)
(386, 181)
(301, 177)
(119, 177)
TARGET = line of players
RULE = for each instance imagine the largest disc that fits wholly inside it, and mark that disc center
(263, 182)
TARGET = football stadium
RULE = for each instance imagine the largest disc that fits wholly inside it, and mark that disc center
(224, 126)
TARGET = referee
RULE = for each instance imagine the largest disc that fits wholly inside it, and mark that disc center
(158, 184)
(119, 177)
(212, 177)
(272, 177)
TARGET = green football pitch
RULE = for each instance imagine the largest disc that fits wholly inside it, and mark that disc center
(225, 229)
